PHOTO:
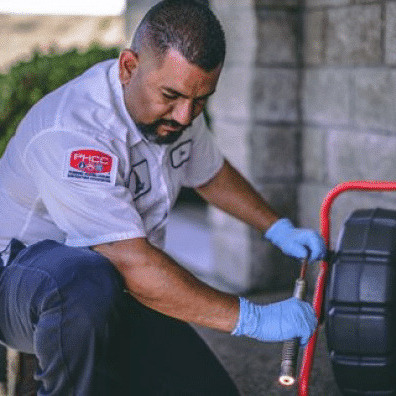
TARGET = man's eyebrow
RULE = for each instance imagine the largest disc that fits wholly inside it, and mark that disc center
(177, 93)
(207, 95)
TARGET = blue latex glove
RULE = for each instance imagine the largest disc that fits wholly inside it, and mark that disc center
(276, 322)
(296, 242)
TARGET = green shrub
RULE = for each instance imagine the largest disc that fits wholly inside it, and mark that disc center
(27, 82)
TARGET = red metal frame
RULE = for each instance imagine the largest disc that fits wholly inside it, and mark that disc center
(308, 357)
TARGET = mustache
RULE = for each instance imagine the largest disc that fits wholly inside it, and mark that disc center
(173, 124)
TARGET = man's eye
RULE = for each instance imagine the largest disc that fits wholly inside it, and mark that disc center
(169, 95)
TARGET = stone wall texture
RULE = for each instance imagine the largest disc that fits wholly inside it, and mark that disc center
(307, 101)
(257, 121)
(348, 105)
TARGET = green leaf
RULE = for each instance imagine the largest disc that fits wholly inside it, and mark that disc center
(28, 81)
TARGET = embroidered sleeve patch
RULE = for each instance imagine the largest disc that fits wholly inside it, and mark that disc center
(91, 166)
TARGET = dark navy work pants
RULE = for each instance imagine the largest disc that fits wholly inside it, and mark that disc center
(68, 307)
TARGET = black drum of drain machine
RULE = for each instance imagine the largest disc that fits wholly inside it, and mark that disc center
(361, 305)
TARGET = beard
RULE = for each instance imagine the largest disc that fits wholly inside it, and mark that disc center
(150, 131)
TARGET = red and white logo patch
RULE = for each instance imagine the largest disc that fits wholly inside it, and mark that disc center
(90, 165)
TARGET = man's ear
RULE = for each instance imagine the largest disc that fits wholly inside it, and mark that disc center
(128, 61)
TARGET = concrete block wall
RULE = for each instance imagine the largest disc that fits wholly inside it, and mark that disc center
(275, 135)
(306, 101)
(257, 123)
(348, 104)
(231, 112)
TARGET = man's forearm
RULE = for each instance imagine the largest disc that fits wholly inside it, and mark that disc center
(232, 193)
(158, 282)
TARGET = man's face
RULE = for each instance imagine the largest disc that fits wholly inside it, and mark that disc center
(164, 97)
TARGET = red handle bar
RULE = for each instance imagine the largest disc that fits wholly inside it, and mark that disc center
(324, 269)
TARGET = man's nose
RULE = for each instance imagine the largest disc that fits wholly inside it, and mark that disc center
(183, 112)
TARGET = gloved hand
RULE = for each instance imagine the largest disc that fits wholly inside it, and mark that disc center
(276, 322)
(296, 242)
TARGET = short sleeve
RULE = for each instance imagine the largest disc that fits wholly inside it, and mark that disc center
(206, 159)
(79, 184)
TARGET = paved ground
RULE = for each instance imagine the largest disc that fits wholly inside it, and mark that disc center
(254, 366)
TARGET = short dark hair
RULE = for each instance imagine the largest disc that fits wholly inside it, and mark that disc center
(186, 26)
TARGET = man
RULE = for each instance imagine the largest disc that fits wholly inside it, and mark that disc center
(86, 186)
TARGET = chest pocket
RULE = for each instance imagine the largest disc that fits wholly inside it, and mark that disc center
(181, 154)
(139, 179)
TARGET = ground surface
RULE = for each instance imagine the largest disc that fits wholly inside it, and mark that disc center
(255, 366)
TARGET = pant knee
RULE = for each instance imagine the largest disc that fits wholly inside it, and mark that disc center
(101, 298)
(89, 286)
(95, 292)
